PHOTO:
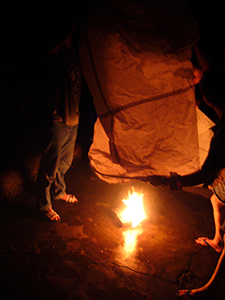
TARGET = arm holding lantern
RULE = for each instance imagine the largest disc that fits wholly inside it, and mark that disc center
(176, 181)
(213, 91)
(214, 162)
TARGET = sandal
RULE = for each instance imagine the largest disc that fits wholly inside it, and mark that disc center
(194, 294)
(70, 199)
(50, 215)
(184, 294)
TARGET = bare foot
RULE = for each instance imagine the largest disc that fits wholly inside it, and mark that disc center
(204, 241)
(199, 294)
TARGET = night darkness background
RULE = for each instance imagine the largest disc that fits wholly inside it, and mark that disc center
(29, 30)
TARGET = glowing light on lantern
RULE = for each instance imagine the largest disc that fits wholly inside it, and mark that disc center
(134, 213)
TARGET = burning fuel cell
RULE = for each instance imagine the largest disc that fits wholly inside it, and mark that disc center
(131, 213)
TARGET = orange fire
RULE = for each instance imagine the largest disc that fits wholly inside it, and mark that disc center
(134, 212)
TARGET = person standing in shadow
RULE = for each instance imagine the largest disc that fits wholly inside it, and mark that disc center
(63, 92)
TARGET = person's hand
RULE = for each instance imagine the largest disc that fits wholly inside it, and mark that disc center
(157, 180)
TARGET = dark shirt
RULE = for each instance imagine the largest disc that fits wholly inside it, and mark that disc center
(66, 86)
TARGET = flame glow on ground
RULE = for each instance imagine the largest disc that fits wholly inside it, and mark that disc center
(130, 240)
(134, 212)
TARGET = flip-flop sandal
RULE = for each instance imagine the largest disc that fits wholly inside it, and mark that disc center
(70, 199)
(50, 215)
(210, 247)
(185, 296)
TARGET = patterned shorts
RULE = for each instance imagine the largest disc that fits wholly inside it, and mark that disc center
(218, 185)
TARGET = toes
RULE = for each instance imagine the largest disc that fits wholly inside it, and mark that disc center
(51, 215)
(201, 240)
(209, 243)
(182, 293)
(71, 199)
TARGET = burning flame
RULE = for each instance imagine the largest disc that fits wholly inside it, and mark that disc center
(134, 213)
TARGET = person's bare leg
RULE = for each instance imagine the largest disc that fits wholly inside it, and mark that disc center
(219, 217)
(209, 289)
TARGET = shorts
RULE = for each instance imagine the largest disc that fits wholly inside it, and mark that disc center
(219, 191)
(218, 187)
(218, 177)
